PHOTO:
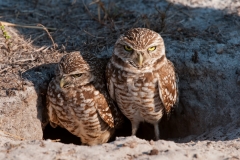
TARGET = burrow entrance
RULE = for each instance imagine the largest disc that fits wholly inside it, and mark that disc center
(145, 131)
(208, 104)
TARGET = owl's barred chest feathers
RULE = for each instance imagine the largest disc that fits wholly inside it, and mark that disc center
(142, 85)
(138, 94)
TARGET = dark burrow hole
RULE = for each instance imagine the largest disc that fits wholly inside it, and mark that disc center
(60, 134)
(169, 128)
(145, 131)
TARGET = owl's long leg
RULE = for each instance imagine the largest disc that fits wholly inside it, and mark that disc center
(156, 130)
(135, 126)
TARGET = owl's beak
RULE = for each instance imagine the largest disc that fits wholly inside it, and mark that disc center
(62, 82)
(140, 59)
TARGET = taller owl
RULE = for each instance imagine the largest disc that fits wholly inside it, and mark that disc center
(141, 79)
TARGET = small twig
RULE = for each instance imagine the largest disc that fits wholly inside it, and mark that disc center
(185, 13)
(56, 140)
(100, 6)
(163, 16)
(91, 14)
(170, 17)
(146, 21)
(40, 49)
(24, 26)
(24, 60)
(11, 135)
(37, 38)
(45, 49)
(92, 35)
(54, 46)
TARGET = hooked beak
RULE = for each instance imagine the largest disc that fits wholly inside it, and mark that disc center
(140, 59)
(62, 82)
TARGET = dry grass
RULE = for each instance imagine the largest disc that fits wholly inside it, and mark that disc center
(12, 136)
(88, 26)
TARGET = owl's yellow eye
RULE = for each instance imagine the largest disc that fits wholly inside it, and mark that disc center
(127, 48)
(152, 48)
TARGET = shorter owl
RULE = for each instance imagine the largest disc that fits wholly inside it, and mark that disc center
(77, 100)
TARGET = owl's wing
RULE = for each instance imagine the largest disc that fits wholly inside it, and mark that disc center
(117, 114)
(52, 117)
(167, 86)
(50, 109)
(109, 78)
(104, 110)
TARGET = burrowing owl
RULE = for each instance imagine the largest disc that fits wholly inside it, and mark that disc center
(141, 79)
(77, 99)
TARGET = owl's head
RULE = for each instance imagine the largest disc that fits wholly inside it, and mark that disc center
(140, 47)
(73, 71)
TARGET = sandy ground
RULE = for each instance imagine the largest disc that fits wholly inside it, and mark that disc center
(121, 148)
(201, 38)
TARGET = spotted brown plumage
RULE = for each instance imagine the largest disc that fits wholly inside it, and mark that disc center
(141, 79)
(77, 99)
